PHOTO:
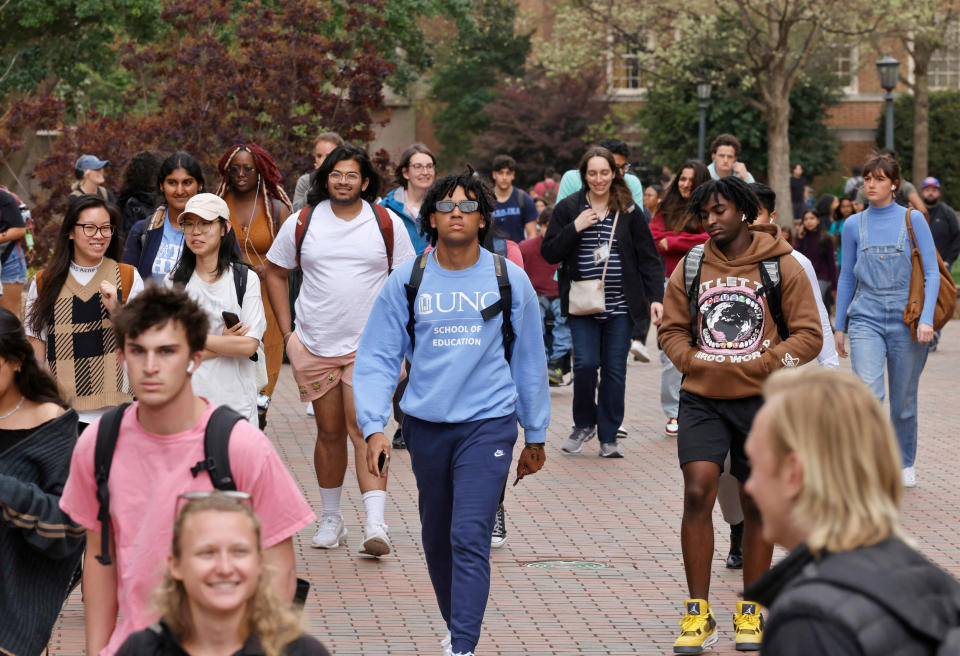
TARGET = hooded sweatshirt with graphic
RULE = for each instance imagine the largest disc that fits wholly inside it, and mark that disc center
(737, 344)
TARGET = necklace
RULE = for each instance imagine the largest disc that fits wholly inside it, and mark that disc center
(20, 403)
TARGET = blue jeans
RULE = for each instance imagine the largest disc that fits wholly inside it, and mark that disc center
(600, 345)
(460, 470)
(561, 331)
(878, 337)
(15, 267)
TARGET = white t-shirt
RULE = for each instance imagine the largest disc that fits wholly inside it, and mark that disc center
(344, 265)
(82, 275)
(226, 380)
(828, 352)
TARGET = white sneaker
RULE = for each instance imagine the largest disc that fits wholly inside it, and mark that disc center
(639, 351)
(331, 533)
(310, 412)
(376, 542)
(909, 476)
(446, 646)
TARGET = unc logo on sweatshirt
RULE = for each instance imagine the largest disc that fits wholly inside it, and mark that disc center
(731, 320)
(455, 302)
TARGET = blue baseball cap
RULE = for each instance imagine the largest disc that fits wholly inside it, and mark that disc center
(930, 182)
(90, 163)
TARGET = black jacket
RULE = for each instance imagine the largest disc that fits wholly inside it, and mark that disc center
(643, 270)
(850, 603)
(158, 640)
(946, 231)
(40, 546)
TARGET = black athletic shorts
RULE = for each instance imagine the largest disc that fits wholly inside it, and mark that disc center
(709, 428)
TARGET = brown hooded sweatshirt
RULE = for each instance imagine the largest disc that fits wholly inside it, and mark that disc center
(737, 342)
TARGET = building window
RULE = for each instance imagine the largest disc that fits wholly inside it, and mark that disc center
(625, 74)
(845, 68)
(945, 63)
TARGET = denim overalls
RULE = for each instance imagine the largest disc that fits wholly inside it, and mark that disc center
(877, 332)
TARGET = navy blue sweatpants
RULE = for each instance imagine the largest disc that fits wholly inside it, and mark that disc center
(460, 470)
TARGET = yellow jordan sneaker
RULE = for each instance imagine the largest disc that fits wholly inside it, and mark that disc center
(698, 629)
(748, 626)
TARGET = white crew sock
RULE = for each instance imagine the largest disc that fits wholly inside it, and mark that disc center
(330, 497)
(373, 502)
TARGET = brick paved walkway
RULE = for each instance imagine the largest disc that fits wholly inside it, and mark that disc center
(624, 514)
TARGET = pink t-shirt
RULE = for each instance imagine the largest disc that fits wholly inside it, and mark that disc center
(148, 472)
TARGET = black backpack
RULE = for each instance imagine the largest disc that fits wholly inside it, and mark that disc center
(769, 276)
(216, 461)
(502, 305)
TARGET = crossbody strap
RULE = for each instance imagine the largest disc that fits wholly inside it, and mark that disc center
(613, 231)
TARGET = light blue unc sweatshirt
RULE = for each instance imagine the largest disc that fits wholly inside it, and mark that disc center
(458, 372)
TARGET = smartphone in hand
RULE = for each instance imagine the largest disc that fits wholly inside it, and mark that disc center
(382, 462)
(230, 319)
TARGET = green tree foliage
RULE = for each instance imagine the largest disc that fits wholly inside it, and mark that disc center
(482, 50)
(670, 117)
(944, 135)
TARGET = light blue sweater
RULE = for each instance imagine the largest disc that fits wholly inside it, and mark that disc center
(884, 225)
(458, 371)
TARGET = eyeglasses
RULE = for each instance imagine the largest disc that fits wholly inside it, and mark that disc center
(605, 173)
(464, 205)
(187, 497)
(419, 168)
(624, 169)
(236, 169)
(203, 227)
(350, 177)
(90, 229)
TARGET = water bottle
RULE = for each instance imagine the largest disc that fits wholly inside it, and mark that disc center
(28, 222)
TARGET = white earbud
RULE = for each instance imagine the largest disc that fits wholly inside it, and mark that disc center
(190, 367)
(743, 218)
(893, 187)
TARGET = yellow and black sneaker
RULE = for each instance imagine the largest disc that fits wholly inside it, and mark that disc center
(748, 626)
(698, 629)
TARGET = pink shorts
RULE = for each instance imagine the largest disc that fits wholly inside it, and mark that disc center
(315, 374)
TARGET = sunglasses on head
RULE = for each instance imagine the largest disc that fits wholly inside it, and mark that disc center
(464, 205)
(187, 497)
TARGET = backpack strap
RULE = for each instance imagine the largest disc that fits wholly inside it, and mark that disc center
(692, 264)
(216, 452)
(303, 222)
(770, 276)
(240, 271)
(412, 287)
(126, 281)
(107, 432)
(503, 304)
(385, 223)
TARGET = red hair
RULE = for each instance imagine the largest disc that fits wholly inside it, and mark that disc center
(269, 176)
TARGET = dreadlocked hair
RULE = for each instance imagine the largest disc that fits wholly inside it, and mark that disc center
(732, 189)
(269, 175)
(475, 189)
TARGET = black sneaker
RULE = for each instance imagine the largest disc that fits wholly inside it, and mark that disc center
(735, 557)
(498, 537)
(398, 442)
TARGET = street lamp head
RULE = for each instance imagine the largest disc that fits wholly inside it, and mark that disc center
(888, 70)
(703, 88)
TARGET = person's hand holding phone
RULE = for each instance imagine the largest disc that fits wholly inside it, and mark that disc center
(378, 455)
(232, 326)
(531, 460)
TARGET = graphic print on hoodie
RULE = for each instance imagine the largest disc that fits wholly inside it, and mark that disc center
(737, 341)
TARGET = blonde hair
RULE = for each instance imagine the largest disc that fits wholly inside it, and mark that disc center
(274, 626)
(850, 495)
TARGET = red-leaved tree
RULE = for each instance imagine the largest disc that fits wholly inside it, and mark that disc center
(274, 73)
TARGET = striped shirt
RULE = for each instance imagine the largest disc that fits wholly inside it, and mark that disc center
(590, 239)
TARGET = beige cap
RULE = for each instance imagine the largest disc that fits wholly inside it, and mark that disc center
(208, 207)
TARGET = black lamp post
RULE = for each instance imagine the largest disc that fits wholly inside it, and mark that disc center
(703, 94)
(888, 70)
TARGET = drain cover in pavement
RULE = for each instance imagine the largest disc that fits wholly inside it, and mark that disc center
(566, 564)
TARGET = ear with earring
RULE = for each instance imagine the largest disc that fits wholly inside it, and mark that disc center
(743, 218)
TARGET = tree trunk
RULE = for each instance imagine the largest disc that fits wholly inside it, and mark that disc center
(778, 156)
(921, 111)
